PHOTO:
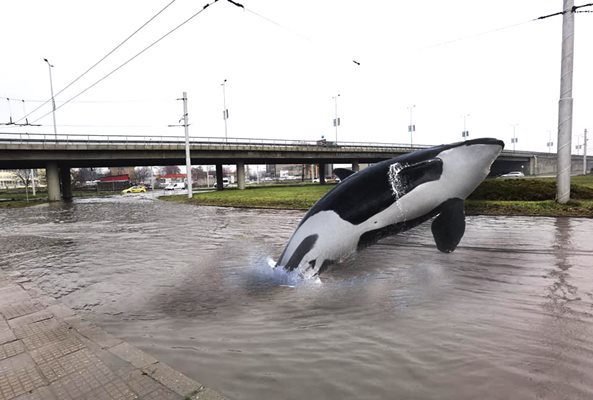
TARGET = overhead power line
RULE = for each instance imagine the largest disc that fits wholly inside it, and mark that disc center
(130, 59)
(102, 58)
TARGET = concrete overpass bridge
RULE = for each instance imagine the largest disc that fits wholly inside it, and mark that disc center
(58, 154)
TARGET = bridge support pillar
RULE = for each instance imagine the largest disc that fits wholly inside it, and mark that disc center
(66, 180)
(533, 167)
(355, 166)
(219, 176)
(53, 181)
(322, 173)
(241, 175)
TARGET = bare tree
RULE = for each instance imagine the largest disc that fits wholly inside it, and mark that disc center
(83, 175)
(170, 169)
(142, 174)
(24, 175)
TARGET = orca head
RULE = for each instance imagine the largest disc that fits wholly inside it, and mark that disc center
(467, 164)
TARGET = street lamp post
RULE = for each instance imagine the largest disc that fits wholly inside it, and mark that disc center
(550, 143)
(411, 127)
(336, 119)
(514, 139)
(53, 102)
(225, 112)
(465, 132)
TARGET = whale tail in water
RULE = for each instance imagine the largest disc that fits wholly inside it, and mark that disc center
(390, 197)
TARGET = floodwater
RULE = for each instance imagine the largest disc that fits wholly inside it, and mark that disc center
(507, 315)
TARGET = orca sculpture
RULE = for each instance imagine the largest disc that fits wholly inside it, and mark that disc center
(390, 197)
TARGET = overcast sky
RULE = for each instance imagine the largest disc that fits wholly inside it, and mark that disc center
(284, 61)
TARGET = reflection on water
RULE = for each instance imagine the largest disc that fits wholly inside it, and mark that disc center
(507, 315)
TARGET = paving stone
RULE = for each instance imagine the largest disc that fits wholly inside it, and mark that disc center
(81, 382)
(53, 351)
(35, 328)
(162, 394)
(30, 319)
(115, 390)
(54, 368)
(131, 354)
(18, 378)
(46, 337)
(141, 383)
(17, 310)
(43, 393)
(7, 335)
(207, 394)
(11, 349)
(172, 379)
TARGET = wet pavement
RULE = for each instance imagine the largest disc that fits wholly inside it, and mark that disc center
(47, 353)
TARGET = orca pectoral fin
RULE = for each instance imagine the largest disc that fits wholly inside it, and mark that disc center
(343, 173)
(449, 226)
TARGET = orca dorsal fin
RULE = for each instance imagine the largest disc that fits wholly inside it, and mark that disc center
(449, 226)
(343, 173)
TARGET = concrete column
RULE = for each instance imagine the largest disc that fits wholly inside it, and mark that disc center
(66, 180)
(321, 173)
(355, 166)
(219, 176)
(241, 175)
(53, 181)
(533, 165)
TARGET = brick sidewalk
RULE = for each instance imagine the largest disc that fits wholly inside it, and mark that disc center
(49, 353)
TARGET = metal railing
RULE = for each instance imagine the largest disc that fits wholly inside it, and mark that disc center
(65, 139)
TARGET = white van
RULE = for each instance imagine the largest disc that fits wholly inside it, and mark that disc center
(176, 185)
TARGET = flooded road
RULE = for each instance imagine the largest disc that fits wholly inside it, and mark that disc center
(509, 314)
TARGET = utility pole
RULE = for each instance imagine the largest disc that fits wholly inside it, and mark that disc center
(225, 111)
(411, 127)
(465, 132)
(53, 101)
(187, 156)
(336, 119)
(585, 153)
(565, 104)
(514, 139)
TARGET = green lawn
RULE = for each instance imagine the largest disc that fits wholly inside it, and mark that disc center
(492, 197)
(294, 197)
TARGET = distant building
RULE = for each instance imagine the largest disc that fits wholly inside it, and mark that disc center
(8, 180)
(113, 183)
(167, 179)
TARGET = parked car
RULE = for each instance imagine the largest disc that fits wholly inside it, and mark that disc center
(176, 185)
(134, 189)
(513, 174)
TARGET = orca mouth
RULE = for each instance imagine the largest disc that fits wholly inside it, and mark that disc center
(489, 141)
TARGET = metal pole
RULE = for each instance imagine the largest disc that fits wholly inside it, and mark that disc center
(53, 101)
(411, 128)
(33, 176)
(187, 156)
(585, 154)
(225, 112)
(565, 105)
(336, 119)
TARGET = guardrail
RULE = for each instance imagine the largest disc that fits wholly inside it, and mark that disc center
(49, 139)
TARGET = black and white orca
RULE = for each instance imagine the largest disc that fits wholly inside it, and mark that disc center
(390, 197)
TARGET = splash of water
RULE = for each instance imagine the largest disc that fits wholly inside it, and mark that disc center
(397, 186)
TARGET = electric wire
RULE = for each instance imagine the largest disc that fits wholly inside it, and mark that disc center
(130, 59)
(102, 59)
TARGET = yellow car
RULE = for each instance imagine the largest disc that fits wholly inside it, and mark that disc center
(134, 189)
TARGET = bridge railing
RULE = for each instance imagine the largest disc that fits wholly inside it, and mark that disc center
(65, 139)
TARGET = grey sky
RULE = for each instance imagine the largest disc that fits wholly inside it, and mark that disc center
(448, 59)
